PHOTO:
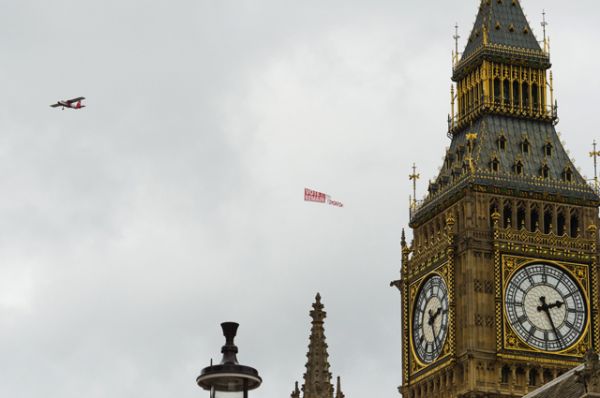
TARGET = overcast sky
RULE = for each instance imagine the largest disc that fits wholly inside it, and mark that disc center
(129, 230)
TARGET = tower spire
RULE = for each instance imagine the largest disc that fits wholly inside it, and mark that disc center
(317, 379)
(456, 37)
(338, 390)
(544, 23)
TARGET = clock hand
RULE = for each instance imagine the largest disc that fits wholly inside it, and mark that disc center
(558, 304)
(433, 316)
(546, 308)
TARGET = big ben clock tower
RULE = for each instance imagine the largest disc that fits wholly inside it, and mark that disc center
(499, 286)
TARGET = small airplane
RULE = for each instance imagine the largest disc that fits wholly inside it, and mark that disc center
(74, 103)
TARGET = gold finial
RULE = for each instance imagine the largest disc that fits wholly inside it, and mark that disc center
(414, 177)
(456, 37)
(544, 24)
(594, 154)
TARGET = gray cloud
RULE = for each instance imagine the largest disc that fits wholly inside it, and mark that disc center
(130, 230)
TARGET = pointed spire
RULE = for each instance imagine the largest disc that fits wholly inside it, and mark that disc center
(501, 23)
(317, 379)
(296, 392)
(338, 390)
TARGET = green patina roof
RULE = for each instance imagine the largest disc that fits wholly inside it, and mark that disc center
(506, 25)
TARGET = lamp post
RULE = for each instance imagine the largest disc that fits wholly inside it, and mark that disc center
(229, 379)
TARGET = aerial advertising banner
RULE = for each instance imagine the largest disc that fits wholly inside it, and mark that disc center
(320, 197)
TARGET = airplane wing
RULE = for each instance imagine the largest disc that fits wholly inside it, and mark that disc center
(55, 105)
(75, 100)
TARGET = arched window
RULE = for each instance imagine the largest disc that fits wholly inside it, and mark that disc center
(525, 94)
(506, 94)
(574, 224)
(560, 224)
(547, 376)
(525, 145)
(502, 142)
(568, 174)
(520, 374)
(545, 171)
(533, 377)
(547, 221)
(548, 149)
(495, 164)
(521, 216)
(534, 96)
(497, 90)
(518, 167)
(507, 214)
(505, 378)
(534, 219)
(516, 100)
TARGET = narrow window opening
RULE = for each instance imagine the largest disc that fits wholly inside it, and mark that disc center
(560, 224)
(525, 146)
(502, 142)
(533, 377)
(525, 94)
(497, 90)
(547, 221)
(505, 374)
(548, 149)
(535, 220)
(545, 171)
(534, 96)
(495, 165)
(521, 217)
(519, 168)
(506, 94)
(507, 215)
(574, 225)
(516, 100)
(568, 174)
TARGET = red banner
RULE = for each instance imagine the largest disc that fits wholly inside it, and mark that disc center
(314, 196)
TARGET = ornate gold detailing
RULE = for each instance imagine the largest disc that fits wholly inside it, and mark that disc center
(446, 272)
(509, 339)
(535, 56)
(489, 177)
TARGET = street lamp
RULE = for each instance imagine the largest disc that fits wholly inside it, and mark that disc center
(229, 379)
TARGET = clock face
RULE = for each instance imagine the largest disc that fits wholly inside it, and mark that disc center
(545, 307)
(430, 319)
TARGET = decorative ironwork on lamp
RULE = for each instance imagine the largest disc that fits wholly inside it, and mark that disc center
(229, 379)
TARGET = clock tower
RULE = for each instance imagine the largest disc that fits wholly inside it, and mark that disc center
(499, 285)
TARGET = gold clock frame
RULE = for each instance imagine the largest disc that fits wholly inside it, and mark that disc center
(511, 341)
(444, 271)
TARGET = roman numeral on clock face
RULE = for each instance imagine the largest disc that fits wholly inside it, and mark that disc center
(430, 319)
(545, 307)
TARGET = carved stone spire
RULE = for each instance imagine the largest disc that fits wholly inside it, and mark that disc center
(296, 392)
(317, 379)
(338, 390)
